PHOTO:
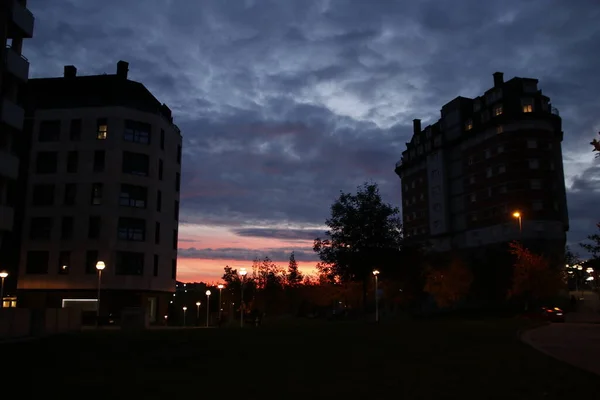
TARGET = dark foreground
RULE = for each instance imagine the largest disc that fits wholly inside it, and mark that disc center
(412, 360)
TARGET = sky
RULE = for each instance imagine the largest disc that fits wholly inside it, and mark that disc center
(283, 104)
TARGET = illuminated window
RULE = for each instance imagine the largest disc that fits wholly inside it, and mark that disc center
(469, 125)
(497, 111)
(527, 105)
(102, 129)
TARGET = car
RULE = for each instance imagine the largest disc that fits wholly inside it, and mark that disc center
(553, 314)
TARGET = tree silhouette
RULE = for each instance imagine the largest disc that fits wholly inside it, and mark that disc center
(449, 285)
(596, 145)
(594, 246)
(364, 233)
(294, 276)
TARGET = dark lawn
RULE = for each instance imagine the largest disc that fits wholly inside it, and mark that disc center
(413, 360)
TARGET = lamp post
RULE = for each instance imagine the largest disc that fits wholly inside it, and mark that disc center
(220, 303)
(3, 276)
(376, 274)
(207, 307)
(517, 215)
(243, 273)
(184, 310)
(198, 304)
(100, 267)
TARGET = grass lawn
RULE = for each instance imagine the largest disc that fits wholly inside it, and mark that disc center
(412, 360)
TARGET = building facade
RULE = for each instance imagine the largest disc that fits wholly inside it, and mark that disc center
(489, 171)
(16, 24)
(103, 185)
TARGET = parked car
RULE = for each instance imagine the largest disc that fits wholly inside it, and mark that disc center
(553, 314)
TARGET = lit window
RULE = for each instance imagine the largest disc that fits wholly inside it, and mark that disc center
(499, 129)
(102, 130)
(469, 125)
(497, 111)
(527, 108)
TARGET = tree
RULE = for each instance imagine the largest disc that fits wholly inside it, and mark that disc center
(594, 246)
(449, 285)
(294, 276)
(533, 278)
(596, 145)
(364, 233)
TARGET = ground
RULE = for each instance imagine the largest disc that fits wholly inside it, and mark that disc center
(444, 359)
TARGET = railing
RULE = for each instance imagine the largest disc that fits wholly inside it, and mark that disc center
(554, 111)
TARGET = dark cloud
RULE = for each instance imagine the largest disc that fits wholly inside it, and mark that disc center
(286, 234)
(284, 103)
(276, 254)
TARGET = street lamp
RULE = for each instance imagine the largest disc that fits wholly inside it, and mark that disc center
(243, 273)
(198, 311)
(207, 306)
(517, 215)
(100, 267)
(376, 274)
(184, 310)
(220, 302)
(3, 276)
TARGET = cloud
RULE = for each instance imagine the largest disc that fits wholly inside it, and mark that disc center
(285, 234)
(276, 254)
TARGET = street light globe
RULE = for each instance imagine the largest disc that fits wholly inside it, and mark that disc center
(221, 286)
(208, 292)
(375, 272)
(100, 265)
(198, 303)
(184, 308)
(516, 214)
(3, 274)
(243, 272)
(579, 267)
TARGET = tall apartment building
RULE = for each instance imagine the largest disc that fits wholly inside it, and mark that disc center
(466, 176)
(103, 185)
(16, 24)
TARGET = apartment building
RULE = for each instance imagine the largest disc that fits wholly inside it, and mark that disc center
(487, 172)
(16, 24)
(103, 185)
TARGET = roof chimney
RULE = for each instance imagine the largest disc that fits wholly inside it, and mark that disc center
(70, 71)
(122, 69)
(498, 79)
(416, 126)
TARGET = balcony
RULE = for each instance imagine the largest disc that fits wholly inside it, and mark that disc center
(9, 165)
(12, 114)
(21, 24)
(16, 64)
(7, 215)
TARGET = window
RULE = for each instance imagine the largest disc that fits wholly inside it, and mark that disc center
(501, 168)
(500, 149)
(102, 129)
(469, 125)
(94, 227)
(176, 209)
(477, 105)
(488, 173)
(129, 263)
(155, 265)
(527, 105)
(473, 198)
(70, 194)
(532, 144)
(49, 131)
(474, 217)
(72, 161)
(177, 181)
(157, 233)
(66, 228)
(179, 154)
(132, 229)
(536, 184)
(64, 262)
(472, 179)
(37, 262)
(97, 189)
(99, 160)
(534, 164)
(173, 269)
(497, 110)
(158, 200)
(470, 161)
(46, 162)
(537, 206)
(135, 163)
(75, 130)
(133, 196)
(160, 169)
(91, 258)
(43, 195)
(488, 153)
(174, 239)
(162, 139)
(421, 197)
(40, 228)
(137, 132)
(502, 189)
(490, 192)
(499, 129)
